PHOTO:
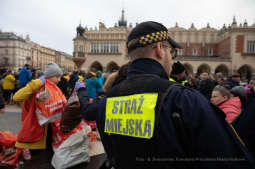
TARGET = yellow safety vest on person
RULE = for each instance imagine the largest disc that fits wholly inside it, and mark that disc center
(182, 82)
(80, 77)
(132, 115)
(67, 77)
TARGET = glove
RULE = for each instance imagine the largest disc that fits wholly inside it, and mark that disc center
(42, 78)
(79, 84)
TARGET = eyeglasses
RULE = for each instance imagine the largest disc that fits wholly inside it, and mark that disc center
(173, 51)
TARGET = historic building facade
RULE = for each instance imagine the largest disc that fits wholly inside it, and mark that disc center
(226, 50)
(16, 51)
(65, 61)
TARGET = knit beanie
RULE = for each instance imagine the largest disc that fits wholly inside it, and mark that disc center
(239, 91)
(177, 68)
(99, 73)
(52, 69)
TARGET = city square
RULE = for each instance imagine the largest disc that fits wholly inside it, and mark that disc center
(127, 84)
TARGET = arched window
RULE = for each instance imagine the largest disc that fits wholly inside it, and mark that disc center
(223, 69)
(203, 68)
(97, 66)
(246, 71)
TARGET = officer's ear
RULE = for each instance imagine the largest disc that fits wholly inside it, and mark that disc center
(159, 53)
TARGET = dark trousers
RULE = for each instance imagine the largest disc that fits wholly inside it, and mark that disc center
(41, 159)
(7, 95)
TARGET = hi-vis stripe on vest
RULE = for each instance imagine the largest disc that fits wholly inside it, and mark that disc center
(132, 115)
(182, 82)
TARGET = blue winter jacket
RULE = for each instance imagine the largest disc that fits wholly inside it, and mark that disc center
(24, 76)
(92, 86)
(101, 81)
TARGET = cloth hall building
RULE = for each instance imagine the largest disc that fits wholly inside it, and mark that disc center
(229, 49)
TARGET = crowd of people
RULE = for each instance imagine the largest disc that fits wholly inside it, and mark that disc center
(149, 112)
(204, 82)
(11, 82)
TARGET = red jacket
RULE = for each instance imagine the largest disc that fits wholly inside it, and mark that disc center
(232, 108)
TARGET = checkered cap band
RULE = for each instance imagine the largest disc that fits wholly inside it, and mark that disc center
(153, 37)
(149, 39)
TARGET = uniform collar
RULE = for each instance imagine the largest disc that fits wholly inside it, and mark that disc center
(180, 81)
(171, 76)
(147, 66)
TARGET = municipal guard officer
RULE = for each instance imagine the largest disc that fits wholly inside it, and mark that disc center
(147, 121)
(178, 74)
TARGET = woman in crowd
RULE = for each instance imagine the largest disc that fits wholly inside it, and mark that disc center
(230, 105)
(32, 136)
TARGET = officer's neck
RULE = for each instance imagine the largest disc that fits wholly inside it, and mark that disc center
(147, 66)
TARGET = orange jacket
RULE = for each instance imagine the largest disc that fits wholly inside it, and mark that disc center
(30, 130)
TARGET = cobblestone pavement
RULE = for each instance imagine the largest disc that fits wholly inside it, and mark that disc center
(10, 120)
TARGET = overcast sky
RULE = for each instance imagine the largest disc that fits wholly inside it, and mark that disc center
(52, 23)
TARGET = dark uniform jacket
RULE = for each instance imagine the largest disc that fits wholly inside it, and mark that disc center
(183, 81)
(214, 143)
